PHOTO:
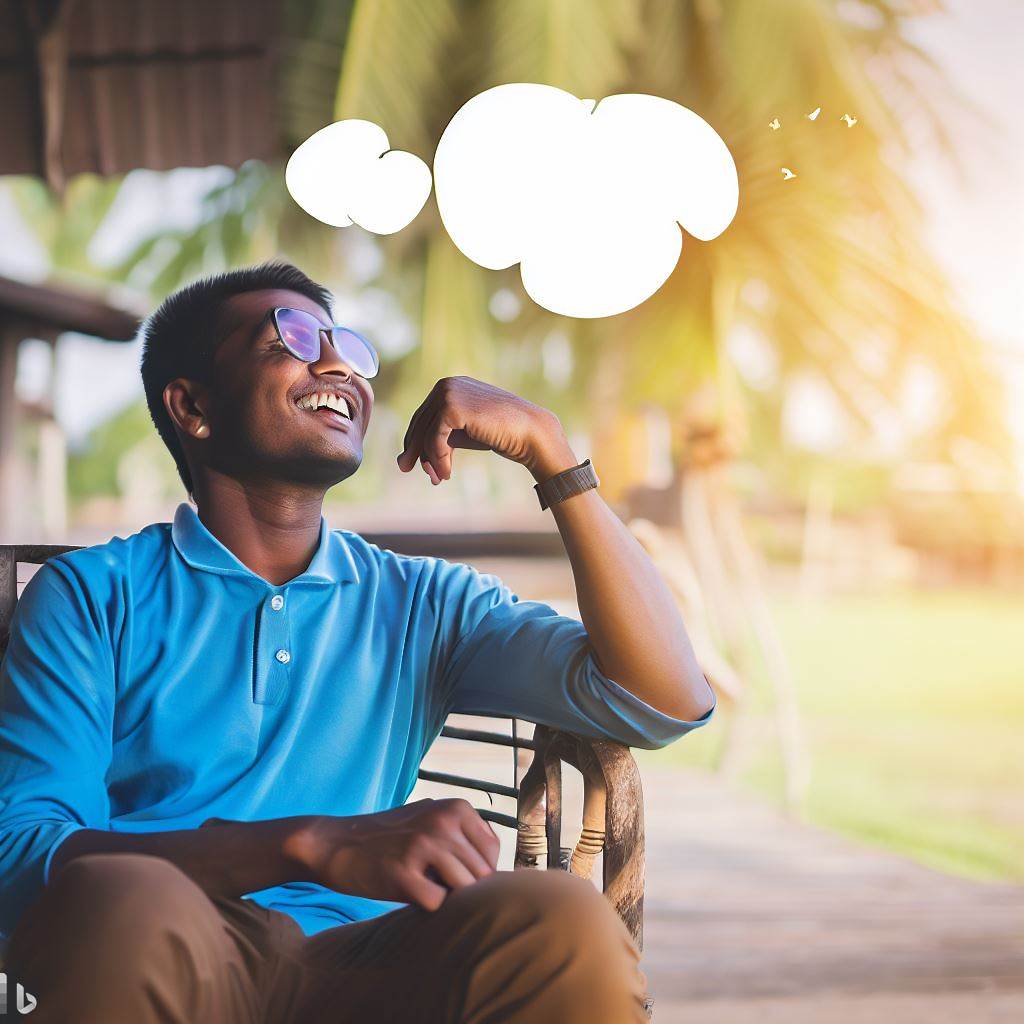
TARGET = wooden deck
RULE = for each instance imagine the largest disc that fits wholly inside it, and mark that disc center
(752, 918)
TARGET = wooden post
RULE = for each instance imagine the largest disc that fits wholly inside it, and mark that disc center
(9, 340)
(8, 591)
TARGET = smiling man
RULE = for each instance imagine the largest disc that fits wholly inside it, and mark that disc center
(209, 729)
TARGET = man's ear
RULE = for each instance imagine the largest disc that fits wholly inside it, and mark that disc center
(185, 401)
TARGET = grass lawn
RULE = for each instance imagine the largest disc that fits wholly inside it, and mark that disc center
(913, 709)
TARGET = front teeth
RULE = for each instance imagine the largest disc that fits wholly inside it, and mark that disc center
(321, 398)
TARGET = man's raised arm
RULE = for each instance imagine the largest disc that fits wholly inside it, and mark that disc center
(634, 627)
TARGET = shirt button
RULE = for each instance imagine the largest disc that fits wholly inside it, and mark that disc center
(277, 602)
(283, 656)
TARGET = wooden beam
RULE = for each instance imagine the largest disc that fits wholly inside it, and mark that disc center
(39, 309)
(478, 544)
(9, 341)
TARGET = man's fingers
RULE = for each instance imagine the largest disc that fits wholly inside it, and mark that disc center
(451, 869)
(421, 890)
(429, 470)
(483, 838)
(428, 441)
(460, 438)
(412, 444)
(475, 859)
(436, 447)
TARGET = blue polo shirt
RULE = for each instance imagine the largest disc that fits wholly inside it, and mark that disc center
(154, 681)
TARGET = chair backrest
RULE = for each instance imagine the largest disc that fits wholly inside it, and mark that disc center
(612, 823)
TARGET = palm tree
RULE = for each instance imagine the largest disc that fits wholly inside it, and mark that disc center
(829, 270)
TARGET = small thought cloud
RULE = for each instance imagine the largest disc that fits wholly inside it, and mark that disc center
(348, 174)
(587, 196)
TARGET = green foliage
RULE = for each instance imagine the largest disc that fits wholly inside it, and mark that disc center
(843, 283)
(65, 226)
(93, 469)
(913, 711)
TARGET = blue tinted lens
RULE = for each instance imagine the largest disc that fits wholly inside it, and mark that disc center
(299, 333)
(355, 350)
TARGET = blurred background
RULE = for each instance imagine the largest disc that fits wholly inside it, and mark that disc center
(815, 426)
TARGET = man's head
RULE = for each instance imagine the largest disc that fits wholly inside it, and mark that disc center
(223, 390)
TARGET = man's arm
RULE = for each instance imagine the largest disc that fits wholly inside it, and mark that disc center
(632, 621)
(229, 858)
(413, 854)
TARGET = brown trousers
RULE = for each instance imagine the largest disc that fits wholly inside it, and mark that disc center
(128, 938)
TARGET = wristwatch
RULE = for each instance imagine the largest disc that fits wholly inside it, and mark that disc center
(564, 485)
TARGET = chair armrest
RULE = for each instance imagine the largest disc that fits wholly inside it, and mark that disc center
(613, 818)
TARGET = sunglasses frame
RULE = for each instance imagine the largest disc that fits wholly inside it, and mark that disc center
(329, 331)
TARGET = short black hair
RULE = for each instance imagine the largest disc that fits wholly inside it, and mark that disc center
(180, 337)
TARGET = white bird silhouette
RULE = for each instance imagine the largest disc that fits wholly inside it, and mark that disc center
(813, 115)
(775, 125)
(850, 121)
(787, 174)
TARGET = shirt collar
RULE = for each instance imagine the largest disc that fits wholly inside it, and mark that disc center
(331, 563)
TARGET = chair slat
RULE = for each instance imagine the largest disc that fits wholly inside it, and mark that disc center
(498, 818)
(467, 783)
(482, 736)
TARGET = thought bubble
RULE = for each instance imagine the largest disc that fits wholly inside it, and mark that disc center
(588, 197)
(348, 174)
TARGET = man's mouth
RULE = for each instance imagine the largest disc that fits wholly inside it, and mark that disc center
(332, 407)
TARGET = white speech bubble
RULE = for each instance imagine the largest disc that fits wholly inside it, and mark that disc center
(348, 174)
(587, 198)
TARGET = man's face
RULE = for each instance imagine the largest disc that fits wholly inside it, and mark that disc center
(257, 425)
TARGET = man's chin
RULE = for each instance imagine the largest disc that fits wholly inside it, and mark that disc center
(330, 472)
(318, 470)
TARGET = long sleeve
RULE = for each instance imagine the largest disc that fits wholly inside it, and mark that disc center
(56, 714)
(523, 659)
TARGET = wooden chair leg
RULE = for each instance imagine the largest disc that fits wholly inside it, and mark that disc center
(612, 783)
(613, 820)
(531, 832)
(553, 788)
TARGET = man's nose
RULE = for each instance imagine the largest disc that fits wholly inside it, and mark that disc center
(330, 360)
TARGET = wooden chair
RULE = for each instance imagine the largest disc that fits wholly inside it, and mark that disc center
(612, 796)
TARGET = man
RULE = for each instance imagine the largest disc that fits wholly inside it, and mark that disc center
(236, 705)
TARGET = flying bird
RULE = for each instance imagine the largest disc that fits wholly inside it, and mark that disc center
(813, 115)
(850, 121)
(775, 125)
(787, 174)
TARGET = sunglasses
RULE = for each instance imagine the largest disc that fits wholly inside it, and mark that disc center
(300, 334)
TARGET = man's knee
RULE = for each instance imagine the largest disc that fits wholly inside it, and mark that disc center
(130, 937)
(561, 907)
(134, 883)
(562, 941)
(126, 899)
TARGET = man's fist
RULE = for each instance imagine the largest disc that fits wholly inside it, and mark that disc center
(462, 412)
(412, 854)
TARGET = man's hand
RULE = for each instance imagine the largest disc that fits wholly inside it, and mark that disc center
(461, 412)
(413, 854)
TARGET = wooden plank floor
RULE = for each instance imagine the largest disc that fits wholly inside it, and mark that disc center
(751, 917)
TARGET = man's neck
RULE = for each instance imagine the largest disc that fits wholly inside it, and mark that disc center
(271, 528)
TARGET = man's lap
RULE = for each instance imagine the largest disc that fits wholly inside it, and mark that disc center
(510, 931)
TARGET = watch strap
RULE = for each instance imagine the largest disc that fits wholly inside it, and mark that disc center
(574, 480)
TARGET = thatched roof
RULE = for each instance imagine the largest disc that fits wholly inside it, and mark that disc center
(111, 85)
